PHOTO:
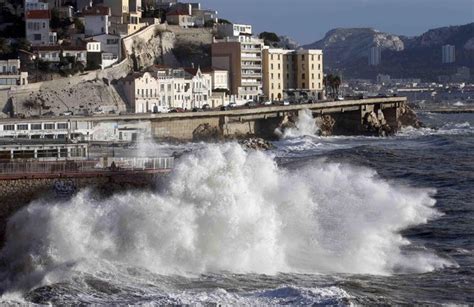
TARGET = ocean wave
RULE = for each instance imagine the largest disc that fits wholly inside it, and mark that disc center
(224, 209)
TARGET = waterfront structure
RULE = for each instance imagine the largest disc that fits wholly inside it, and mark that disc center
(96, 20)
(10, 73)
(448, 54)
(165, 88)
(286, 70)
(241, 56)
(46, 150)
(375, 56)
(37, 28)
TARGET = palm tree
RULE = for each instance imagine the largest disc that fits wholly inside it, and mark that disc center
(336, 84)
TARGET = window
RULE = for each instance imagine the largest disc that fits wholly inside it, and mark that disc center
(37, 37)
(303, 76)
(8, 127)
(62, 125)
(304, 85)
(22, 127)
(48, 126)
(36, 127)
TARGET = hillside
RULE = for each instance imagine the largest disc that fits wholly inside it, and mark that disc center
(347, 49)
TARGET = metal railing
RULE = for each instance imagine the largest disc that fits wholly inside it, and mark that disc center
(87, 166)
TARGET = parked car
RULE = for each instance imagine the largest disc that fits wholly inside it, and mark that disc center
(251, 104)
(197, 110)
(232, 105)
(224, 108)
(286, 103)
(340, 98)
(67, 113)
(177, 110)
(206, 107)
(267, 103)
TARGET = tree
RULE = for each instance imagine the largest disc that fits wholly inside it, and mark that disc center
(78, 25)
(269, 38)
(223, 21)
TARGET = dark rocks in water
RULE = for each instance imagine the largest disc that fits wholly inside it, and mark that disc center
(326, 124)
(408, 117)
(375, 123)
(206, 132)
(256, 144)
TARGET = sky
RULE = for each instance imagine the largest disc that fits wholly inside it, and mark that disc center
(307, 21)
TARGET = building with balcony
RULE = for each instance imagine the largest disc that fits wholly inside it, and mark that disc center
(241, 56)
(161, 89)
(286, 70)
(10, 73)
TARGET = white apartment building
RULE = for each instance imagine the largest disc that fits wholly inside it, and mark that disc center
(53, 53)
(448, 53)
(375, 56)
(96, 20)
(10, 73)
(163, 89)
(37, 28)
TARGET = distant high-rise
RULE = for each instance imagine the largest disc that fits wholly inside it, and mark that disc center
(448, 54)
(375, 56)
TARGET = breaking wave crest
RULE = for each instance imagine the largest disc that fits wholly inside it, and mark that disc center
(225, 209)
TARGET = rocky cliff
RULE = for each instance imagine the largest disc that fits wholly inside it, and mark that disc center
(347, 49)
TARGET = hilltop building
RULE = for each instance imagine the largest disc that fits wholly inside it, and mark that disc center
(448, 54)
(96, 20)
(375, 56)
(287, 70)
(38, 29)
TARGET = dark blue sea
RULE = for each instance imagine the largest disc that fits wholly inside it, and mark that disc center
(335, 220)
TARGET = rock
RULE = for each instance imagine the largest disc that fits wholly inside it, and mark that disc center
(326, 125)
(408, 117)
(206, 132)
(256, 144)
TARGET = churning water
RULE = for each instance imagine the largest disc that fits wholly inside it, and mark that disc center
(318, 220)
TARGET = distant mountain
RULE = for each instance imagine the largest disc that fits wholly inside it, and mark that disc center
(287, 42)
(347, 50)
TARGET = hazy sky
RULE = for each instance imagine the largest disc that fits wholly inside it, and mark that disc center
(308, 20)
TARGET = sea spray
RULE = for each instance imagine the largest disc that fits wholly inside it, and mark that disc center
(305, 125)
(224, 210)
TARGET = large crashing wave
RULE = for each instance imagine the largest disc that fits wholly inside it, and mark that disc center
(226, 209)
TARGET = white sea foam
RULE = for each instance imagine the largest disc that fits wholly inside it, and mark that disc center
(225, 210)
(305, 126)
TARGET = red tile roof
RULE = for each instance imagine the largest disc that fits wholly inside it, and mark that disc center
(96, 11)
(38, 14)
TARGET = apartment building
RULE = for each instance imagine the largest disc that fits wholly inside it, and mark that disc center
(233, 30)
(286, 70)
(35, 5)
(241, 56)
(163, 88)
(10, 73)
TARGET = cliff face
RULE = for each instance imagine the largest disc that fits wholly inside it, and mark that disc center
(344, 44)
(420, 56)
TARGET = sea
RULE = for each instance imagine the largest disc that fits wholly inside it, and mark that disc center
(314, 221)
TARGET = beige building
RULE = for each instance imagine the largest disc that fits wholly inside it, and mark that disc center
(242, 57)
(11, 74)
(285, 70)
